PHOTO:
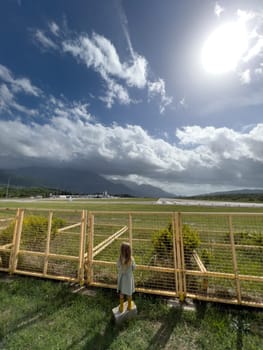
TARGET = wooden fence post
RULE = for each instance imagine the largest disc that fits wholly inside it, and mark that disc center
(90, 248)
(234, 258)
(50, 216)
(81, 247)
(183, 272)
(174, 254)
(130, 230)
(17, 238)
(180, 259)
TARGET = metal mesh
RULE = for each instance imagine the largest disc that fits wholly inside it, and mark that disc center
(7, 223)
(226, 248)
(50, 243)
(152, 249)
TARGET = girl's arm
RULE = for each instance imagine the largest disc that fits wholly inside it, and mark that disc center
(133, 264)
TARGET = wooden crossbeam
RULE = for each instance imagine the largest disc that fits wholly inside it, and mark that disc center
(101, 246)
(6, 246)
(199, 262)
(68, 227)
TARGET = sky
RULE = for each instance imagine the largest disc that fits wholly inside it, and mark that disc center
(165, 93)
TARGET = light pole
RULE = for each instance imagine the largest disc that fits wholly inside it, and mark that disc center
(7, 188)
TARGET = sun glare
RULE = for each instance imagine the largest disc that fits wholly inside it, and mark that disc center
(224, 48)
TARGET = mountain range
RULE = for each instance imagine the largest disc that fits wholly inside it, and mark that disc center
(75, 181)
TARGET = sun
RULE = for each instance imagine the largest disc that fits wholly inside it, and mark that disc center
(224, 48)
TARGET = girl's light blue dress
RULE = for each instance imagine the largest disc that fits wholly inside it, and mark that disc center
(125, 283)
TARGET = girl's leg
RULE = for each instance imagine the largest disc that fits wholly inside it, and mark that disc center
(121, 302)
(129, 302)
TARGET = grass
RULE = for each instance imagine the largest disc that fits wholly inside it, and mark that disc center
(120, 204)
(40, 314)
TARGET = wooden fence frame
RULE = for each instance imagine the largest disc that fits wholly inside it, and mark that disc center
(87, 253)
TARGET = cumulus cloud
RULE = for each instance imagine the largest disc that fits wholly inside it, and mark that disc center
(209, 156)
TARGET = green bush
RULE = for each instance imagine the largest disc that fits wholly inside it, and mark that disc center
(163, 244)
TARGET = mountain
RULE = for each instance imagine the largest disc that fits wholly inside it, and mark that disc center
(147, 190)
(242, 195)
(75, 181)
(245, 191)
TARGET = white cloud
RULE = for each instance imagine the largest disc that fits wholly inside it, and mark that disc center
(157, 88)
(99, 53)
(253, 21)
(75, 110)
(18, 84)
(11, 87)
(245, 77)
(115, 92)
(54, 28)
(8, 102)
(44, 41)
(218, 9)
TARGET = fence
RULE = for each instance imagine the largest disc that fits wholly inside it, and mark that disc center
(206, 256)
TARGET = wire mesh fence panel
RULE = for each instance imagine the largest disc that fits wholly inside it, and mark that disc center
(109, 230)
(151, 238)
(50, 244)
(207, 248)
(248, 238)
(252, 292)
(153, 249)
(7, 226)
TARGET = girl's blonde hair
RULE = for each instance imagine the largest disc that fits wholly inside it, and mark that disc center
(125, 254)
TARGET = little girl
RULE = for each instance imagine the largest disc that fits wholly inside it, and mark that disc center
(125, 267)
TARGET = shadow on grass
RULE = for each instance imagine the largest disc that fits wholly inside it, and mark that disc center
(102, 341)
(201, 308)
(38, 314)
(163, 334)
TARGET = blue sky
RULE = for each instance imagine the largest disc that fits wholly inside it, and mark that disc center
(167, 93)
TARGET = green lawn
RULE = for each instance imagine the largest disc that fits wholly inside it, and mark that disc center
(39, 314)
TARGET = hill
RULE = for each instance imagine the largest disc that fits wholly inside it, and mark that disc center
(74, 181)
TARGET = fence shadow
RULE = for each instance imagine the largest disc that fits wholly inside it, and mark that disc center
(102, 341)
(162, 336)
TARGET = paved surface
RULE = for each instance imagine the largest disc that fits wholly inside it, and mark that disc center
(175, 201)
